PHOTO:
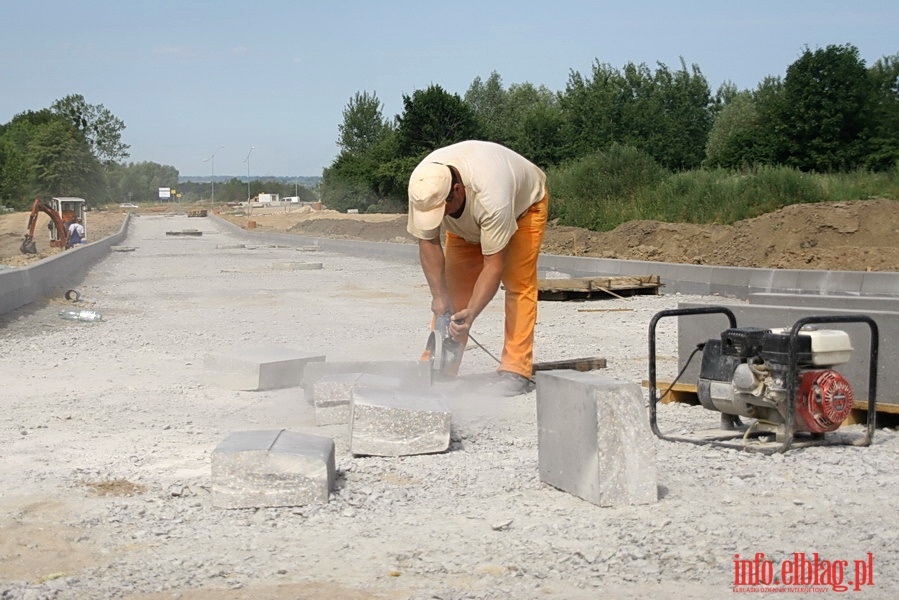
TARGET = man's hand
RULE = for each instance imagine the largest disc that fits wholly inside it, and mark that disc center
(460, 323)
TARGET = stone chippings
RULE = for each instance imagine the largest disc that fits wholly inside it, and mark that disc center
(264, 468)
(385, 423)
(594, 439)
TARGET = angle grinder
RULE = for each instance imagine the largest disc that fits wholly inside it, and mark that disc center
(443, 352)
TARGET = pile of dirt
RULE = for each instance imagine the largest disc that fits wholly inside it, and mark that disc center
(839, 236)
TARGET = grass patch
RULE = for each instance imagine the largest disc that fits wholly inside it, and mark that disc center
(622, 184)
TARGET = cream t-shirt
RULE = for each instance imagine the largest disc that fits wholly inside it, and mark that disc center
(500, 185)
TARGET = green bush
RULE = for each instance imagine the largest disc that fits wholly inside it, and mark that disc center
(596, 191)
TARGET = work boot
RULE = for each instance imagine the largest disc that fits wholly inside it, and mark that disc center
(510, 384)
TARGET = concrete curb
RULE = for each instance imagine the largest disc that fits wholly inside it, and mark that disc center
(731, 282)
(24, 285)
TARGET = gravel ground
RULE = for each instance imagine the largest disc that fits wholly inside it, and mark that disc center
(107, 429)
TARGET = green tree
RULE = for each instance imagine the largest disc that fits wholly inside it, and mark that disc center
(883, 131)
(489, 102)
(433, 118)
(590, 108)
(826, 100)
(140, 182)
(534, 123)
(18, 185)
(62, 162)
(363, 125)
(683, 110)
(102, 129)
(734, 134)
(767, 138)
(666, 114)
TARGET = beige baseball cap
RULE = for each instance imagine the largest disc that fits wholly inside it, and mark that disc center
(429, 187)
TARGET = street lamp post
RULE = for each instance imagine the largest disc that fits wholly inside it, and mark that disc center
(212, 160)
(247, 160)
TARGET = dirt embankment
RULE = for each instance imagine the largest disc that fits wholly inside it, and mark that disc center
(841, 236)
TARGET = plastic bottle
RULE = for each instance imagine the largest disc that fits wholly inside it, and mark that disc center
(80, 315)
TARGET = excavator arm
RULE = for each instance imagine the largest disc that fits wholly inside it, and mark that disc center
(28, 246)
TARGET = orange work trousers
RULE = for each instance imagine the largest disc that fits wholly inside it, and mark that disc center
(464, 262)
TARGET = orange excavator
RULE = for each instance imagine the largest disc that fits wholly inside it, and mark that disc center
(58, 241)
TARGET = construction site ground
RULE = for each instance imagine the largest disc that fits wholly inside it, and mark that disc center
(107, 429)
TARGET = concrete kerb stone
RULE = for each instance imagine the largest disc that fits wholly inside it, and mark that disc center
(259, 368)
(385, 423)
(593, 438)
(333, 393)
(413, 375)
(267, 468)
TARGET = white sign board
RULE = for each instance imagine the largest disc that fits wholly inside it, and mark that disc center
(165, 193)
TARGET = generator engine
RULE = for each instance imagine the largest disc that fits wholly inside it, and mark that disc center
(746, 372)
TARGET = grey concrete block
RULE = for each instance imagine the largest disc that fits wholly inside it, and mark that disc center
(593, 438)
(332, 394)
(272, 468)
(384, 423)
(414, 375)
(297, 266)
(259, 368)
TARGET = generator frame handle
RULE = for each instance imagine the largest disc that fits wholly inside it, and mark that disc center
(673, 312)
(793, 348)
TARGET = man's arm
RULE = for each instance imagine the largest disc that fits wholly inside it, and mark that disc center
(430, 254)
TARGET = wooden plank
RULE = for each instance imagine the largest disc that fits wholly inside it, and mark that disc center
(584, 288)
(679, 392)
(588, 284)
(892, 409)
(577, 364)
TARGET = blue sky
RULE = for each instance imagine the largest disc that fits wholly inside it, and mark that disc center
(187, 77)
